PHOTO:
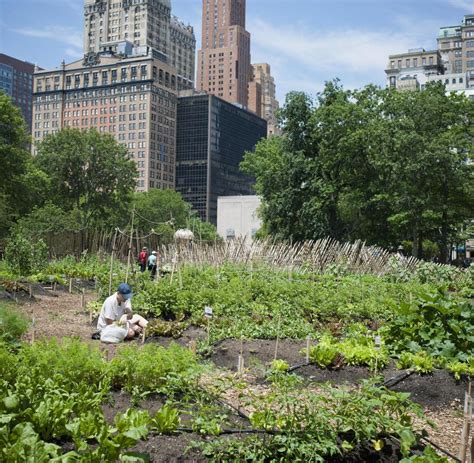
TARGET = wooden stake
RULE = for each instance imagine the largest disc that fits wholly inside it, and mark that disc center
(54, 287)
(208, 331)
(308, 341)
(143, 335)
(193, 346)
(31, 290)
(70, 285)
(112, 261)
(33, 324)
(240, 365)
(83, 300)
(130, 246)
(278, 336)
(466, 428)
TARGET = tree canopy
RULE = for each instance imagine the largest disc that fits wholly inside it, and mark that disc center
(372, 164)
(87, 171)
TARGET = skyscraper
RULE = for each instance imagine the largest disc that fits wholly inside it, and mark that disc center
(16, 80)
(136, 59)
(262, 76)
(144, 24)
(224, 67)
(211, 138)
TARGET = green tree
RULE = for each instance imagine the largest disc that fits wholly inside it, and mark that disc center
(165, 211)
(87, 171)
(369, 164)
(13, 159)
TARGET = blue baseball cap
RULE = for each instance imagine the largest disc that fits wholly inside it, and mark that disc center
(125, 290)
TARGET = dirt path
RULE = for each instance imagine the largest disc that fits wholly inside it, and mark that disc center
(59, 315)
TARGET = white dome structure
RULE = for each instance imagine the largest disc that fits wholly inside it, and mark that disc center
(184, 235)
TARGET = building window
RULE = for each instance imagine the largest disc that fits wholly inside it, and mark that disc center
(407, 62)
(431, 60)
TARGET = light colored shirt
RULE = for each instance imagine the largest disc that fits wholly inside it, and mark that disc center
(152, 260)
(112, 310)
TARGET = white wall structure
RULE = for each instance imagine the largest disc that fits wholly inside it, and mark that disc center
(237, 216)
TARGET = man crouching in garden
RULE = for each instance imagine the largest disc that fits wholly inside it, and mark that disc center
(116, 320)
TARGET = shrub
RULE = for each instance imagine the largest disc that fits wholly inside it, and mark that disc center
(13, 325)
(24, 256)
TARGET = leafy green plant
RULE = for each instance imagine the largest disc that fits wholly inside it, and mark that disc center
(13, 325)
(279, 365)
(458, 369)
(421, 362)
(25, 256)
(166, 420)
(436, 322)
(324, 353)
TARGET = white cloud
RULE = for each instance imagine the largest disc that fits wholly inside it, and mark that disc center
(303, 58)
(466, 5)
(65, 35)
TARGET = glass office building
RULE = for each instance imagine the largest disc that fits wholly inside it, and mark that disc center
(212, 137)
(16, 80)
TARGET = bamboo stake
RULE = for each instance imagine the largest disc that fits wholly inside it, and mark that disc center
(466, 429)
(130, 246)
(308, 342)
(278, 336)
(112, 261)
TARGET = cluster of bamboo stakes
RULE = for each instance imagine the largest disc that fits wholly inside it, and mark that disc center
(305, 257)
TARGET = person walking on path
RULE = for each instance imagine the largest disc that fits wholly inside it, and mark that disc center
(143, 258)
(152, 264)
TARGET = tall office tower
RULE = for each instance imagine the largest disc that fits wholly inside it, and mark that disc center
(16, 80)
(224, 66)
(211, 139)
(132, 98)
(269, 104)
(456, 45)
(144, 24)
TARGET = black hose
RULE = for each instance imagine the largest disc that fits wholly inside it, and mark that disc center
(437, 447)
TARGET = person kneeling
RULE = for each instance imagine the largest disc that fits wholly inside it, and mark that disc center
(117, 320)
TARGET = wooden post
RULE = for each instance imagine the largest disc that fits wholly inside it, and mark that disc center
(208, 331)
(466, 428)
(54, 287)
(112, 261)
(130, 246)
(193, 346)
(83, 300)
(278, 336)
(33, 325)
(143, 335)
(172, 268)
(70, 285)
(240, 359)
(31, 290)
(308, 341)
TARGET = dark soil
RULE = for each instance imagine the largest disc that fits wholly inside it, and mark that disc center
(193, 333)
(171, 449)
(258, 354)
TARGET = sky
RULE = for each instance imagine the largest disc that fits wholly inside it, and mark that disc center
(306, 42)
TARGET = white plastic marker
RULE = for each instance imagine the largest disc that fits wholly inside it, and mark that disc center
(208, 314)
(378, 342)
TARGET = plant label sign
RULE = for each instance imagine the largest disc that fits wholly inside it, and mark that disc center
(378, 342)
(208, 311)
